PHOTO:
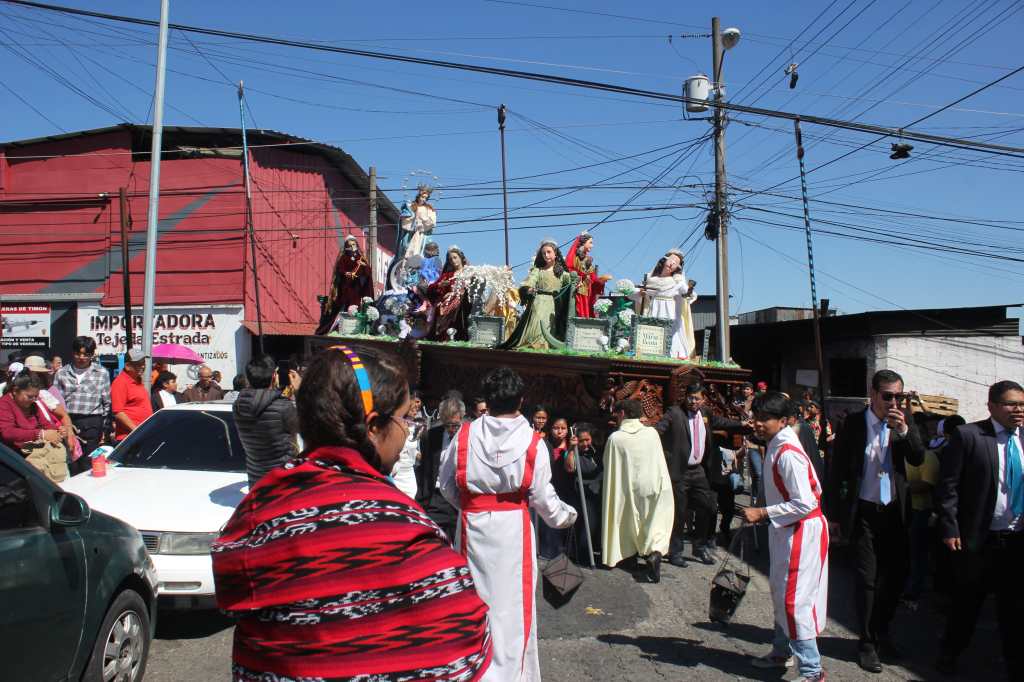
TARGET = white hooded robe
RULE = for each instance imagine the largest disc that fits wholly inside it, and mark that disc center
(797, 536)
(637, 508)
(499, 545)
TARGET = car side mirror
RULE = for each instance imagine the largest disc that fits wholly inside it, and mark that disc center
(68, 510)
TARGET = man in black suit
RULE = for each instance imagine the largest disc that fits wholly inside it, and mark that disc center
(980, 500)
(692, 469)
(435, 441)
(867, 497)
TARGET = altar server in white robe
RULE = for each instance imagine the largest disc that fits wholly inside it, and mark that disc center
(637, 507)
(798, 541)
(667, 295)
(494, 472)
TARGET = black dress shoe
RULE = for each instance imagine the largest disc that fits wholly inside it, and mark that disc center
(677, 559)
(869, 659)
(888, 651)
(946, 663)
(704, 556)
(654, 567)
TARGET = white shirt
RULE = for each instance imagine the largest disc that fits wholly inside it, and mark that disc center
(167, 399)
(870, 485)
(698, 435)
(1002, 516)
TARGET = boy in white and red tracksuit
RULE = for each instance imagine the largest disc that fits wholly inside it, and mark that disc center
(798, 541)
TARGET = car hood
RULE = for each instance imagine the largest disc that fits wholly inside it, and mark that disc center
(163, 499)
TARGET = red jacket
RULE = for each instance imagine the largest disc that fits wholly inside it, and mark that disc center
(18, 428)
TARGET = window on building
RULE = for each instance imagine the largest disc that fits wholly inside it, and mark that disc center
(848, 377)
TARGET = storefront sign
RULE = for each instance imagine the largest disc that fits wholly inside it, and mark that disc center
(215, 332)
(25, 326)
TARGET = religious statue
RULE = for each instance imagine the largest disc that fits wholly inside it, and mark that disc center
(667, 294)
(591, 284)
(352, 283)
(549, 289)
(416, 221)
(450, 299)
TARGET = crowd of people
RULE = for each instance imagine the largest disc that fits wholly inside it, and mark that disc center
(57, 414)
(501, 488)
(369, 514)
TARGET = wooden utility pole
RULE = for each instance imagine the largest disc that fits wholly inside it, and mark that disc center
(249, 222)
(371, 239)
(722, 238)
(504, 173)
(126, 276)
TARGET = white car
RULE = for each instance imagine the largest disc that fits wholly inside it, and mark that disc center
(177, 478)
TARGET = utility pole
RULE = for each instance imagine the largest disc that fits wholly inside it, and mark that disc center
(722, 238)
(153, 217)
(810, 266)
(251, 228)
(126, 276)
(371, 239)
(504, 180)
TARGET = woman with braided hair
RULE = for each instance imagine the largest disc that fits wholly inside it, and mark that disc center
(324, 554)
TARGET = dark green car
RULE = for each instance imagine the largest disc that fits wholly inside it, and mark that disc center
(77, 588)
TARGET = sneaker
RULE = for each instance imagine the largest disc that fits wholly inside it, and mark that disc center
(771, 661)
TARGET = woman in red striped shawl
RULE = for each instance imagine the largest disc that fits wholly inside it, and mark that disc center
(334, 573)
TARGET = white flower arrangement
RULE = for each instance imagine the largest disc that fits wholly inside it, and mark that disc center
(603, 342)
(602, 306)
(372, 314)
(366, 300)
(626, 316)
(451, 333)
(622, 345)
(625, 287)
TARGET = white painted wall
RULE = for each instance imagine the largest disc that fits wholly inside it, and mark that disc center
(961, 367)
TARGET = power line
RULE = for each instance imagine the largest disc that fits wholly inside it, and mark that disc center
(545, 78)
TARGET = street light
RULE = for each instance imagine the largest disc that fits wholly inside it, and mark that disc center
(730, 37)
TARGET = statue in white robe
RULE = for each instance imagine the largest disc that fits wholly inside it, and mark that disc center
(667, 295)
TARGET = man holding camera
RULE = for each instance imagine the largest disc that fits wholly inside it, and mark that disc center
(867, 496)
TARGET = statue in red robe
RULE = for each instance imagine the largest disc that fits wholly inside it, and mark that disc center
(352, 282)
(451, 304)
(591, 285)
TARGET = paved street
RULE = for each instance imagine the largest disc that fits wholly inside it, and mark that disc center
(617, 629)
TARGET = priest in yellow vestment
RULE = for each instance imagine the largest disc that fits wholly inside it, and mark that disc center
(637, 508)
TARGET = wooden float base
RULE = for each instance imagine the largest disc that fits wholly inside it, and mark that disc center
(578, 387)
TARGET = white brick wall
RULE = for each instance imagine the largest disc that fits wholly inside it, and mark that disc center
(961, 367)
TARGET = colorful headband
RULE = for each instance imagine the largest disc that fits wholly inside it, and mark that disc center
(362, 377)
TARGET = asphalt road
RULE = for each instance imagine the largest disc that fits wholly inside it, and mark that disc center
(617, 629)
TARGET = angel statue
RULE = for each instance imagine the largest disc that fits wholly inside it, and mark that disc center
(416, 220)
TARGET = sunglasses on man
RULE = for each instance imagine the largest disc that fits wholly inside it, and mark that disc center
(889, 396)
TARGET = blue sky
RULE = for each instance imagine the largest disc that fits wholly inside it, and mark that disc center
(878, 62)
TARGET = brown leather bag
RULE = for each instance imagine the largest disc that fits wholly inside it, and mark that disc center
(49, 458)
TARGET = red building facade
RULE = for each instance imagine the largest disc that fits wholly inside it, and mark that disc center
(61, 245)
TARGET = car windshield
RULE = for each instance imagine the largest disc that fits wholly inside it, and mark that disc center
(192, 440)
